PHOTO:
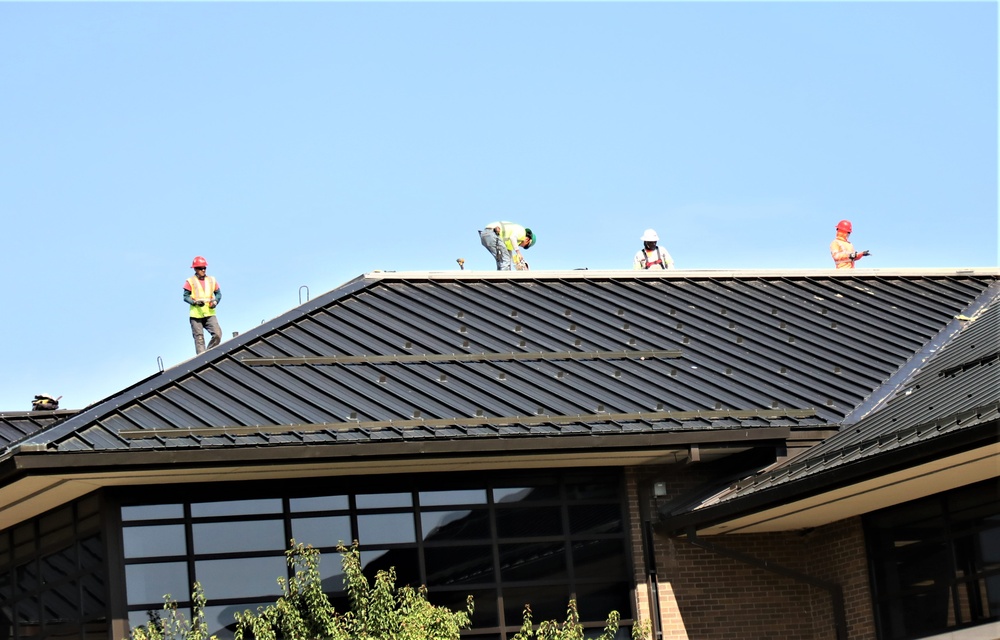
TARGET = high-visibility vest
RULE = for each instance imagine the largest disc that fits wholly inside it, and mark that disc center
(511, 233)
(841, 251)
(203, 290)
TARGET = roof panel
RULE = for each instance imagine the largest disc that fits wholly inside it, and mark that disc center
(750, 341)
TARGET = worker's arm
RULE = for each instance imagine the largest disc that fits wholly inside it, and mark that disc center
(187, 297)
(218, 298)
(855, 256)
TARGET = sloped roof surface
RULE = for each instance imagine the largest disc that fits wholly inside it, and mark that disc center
(15, 425)
(484, 355)
(957, 389)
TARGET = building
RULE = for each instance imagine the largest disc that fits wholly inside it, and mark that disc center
(784, 454)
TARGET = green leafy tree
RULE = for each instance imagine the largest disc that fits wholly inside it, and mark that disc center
(571, 629)
(379, 611)
(174, 625)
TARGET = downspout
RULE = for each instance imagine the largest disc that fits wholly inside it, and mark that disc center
(835, 590)
(648, 553)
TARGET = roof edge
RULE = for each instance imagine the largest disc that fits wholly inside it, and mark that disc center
(561, 274)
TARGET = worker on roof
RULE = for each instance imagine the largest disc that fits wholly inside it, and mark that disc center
(504, 241)
(203, 294)
(844, 255)
(652, 256)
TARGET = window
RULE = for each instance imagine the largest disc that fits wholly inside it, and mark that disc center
(507, 539)
(53, 576)
(935, 562)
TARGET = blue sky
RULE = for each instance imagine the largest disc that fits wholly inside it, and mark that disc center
(307, 143)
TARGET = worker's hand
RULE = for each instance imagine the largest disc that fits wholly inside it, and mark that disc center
(211, 305)
(200, 303)
(853, 255)
(866, 252)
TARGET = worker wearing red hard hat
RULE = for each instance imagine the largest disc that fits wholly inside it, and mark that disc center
(844, 255)
(202, 293)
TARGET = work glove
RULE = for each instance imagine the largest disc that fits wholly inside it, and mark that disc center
(200, 303)
(865, 253)
(853, 255)
(211, 305)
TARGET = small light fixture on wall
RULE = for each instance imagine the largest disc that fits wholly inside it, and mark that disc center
(659, 489)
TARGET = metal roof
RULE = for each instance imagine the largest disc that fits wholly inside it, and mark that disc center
(958, 388)
(474, 355)
(949, 400)
(16, 425)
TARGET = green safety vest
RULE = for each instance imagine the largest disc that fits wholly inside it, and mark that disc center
(202, 290)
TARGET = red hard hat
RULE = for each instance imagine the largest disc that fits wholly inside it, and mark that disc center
(199, 262)
(844, 225)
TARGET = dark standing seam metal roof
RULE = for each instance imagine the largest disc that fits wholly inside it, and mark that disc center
(16, 425)
(957, 389)
(788, 349)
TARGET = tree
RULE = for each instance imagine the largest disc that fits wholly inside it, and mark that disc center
(378, 611)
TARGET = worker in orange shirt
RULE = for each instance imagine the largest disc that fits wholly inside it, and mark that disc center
(844, 255)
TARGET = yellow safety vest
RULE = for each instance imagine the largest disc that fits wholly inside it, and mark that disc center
(202, 290)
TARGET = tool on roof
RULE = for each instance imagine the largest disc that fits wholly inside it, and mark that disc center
(45, 402)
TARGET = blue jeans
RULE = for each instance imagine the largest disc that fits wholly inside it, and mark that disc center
(497, 247)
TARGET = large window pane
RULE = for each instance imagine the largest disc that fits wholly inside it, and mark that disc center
(152, 512)
(533, 561)
(386, 528)
(148, 583)
(234, 537)
(547, 603)
(529, 522)
(241, 577)
(598, 518)
(320, 503)
(383, 500)
(455, 525)
(509, 495)
(457, 496)
(405, 561)
(323, 531)
(599, 559)
(485, 601)
(459, 565)
(154, 541)
(236, 508)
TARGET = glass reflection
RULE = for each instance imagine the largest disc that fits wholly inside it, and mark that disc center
(147, 583)
(152, 512)
(599, 559)
(405, 561)
(455, 525)
(457, 496)
(233, 537)
(597, 518)
(383, 500)
(533, 561)
(459, 565)
(241, 577)
(319, 503)
(521, 522)
(386, 528)
(154, 541)
(323, 531)
(548, 602)
(235, 508)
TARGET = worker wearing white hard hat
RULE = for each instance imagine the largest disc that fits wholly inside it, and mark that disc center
(652, 256)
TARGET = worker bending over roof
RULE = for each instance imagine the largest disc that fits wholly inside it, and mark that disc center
(504, 241)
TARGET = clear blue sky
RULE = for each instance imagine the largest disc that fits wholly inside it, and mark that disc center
(308, 143)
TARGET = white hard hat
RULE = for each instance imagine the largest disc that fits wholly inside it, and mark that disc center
(649, 236)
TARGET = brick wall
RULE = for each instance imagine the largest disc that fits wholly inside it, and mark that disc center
(706, 596)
